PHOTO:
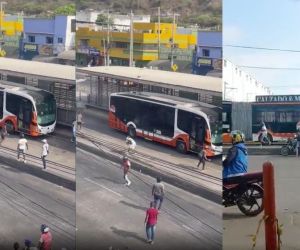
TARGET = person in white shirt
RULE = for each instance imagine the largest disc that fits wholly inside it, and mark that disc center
(22, 147)
(45, 152)
(74, 129)
(79, 120)
(131, 144)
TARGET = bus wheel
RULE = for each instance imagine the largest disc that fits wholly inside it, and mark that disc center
(9, 127)
(131, 131)
(180, 147)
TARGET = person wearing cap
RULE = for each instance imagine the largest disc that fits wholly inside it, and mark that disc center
(45, 152)
(22, 147)
(126, 166)
(45, 242)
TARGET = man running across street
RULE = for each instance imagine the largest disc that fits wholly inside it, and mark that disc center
(45, 152)
(22, 147)
(158, 192)
(150, 222)
(126, 166)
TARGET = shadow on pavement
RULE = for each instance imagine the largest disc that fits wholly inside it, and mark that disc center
(133, 205)
(232, 216)
(127, 234)
(38, 172)
(108, 179)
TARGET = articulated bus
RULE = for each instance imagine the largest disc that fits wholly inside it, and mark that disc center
(281, 114)
(27, 109)
(168, 120)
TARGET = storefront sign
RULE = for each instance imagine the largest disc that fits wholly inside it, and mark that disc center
(278, 98)
(30, 47)
(204, 61)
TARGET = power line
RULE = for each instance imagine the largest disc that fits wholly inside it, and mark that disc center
(261, 48)
(271, 68)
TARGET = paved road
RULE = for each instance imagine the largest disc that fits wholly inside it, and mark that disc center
(27, 201)
(110, 214)
(238, 228)
(97, 121)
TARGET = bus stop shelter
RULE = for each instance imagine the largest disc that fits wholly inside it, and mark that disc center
(97, 83)
(55, 78)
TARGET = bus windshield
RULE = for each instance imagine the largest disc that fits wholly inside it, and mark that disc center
(216, 132)
(46, 110)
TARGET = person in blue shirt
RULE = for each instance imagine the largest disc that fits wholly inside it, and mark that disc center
(236, 162)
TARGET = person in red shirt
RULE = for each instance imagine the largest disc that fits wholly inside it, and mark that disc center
(150, 222)
(45, 242)
(126, 166)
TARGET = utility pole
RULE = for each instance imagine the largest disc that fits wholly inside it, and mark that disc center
(158, 33)
(172, 44)
(104, 56)
(2, 15)
(131, 40)
(108, 45)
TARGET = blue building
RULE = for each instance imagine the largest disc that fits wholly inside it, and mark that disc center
(47, 36)
(208, 54)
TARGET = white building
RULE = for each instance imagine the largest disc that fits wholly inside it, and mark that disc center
(240, 86)
(120, 22)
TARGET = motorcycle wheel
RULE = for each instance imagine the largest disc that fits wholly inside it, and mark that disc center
(284, 151)
(250, 202)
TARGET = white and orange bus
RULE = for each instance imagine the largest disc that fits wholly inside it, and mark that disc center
(280, 113)
(27, 109)
(173, 121)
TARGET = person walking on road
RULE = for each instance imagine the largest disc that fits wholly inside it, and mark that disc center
(3, 133)
(22, 147)
(202, 157)
(158, 192)
(263, 134)
(45, 242)
(45, 152)
(131, 144)
(16, 246)
(74, 128)
(79, 120)
(29, 246)
(150, 222)
(126, 166)
(298, 143)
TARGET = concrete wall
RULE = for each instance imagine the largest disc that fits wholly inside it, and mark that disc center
(241, 118)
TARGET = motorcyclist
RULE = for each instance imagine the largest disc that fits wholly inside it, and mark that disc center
(263, 133)
(236, 162)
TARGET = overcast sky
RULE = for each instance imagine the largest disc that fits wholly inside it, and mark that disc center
(267, 24)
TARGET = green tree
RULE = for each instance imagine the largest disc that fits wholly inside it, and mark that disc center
(103, 19)
(68, 10)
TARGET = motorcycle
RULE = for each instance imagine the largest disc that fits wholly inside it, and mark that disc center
(290, 147)
(246, 192)
(264, 139)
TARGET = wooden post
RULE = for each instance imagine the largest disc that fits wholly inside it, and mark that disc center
(269, 205)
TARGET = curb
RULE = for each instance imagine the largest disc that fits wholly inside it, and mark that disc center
(38, 172)
(175, 181)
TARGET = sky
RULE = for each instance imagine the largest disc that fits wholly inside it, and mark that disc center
(266, 24)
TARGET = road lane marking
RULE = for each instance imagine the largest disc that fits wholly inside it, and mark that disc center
(108, 189)
(188, 228)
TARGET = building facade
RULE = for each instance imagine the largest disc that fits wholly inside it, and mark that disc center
(208, 54)
(240, 86)
(48, 37)
(146, 36)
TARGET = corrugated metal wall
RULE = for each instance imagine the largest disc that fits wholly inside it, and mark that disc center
(241, 118)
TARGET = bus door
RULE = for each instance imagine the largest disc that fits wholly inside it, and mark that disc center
(197, 133)
(25, 115)
(146, 127)
(1, 105)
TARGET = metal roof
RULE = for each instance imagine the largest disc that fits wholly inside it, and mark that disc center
(143, 75)
(41, 69)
